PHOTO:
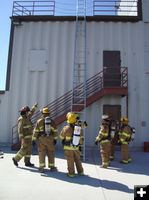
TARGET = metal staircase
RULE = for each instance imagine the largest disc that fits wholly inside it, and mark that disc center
(79, 69)
(95, 91)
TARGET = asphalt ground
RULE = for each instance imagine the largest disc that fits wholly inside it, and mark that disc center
(114, 183)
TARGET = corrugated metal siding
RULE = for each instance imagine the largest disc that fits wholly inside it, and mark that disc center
(56, 40)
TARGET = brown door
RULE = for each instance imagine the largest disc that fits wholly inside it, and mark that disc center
(114, 111)
(111, 68)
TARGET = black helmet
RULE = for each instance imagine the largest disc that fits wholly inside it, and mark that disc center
(24, 110)
(27, 108)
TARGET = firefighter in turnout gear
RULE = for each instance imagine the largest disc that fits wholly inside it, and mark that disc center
(72, 137)
(114, 138)
(125, 134)
(25, 131)
(103, 138)
(45, 132)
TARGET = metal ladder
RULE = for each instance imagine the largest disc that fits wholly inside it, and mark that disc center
(79, 68)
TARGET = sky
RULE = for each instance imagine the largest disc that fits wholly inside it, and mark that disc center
(5, 23)
(5, 13)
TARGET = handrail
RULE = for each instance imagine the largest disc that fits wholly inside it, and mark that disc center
(25, 8)
(62, 105)
(112, 8)
(116, 7)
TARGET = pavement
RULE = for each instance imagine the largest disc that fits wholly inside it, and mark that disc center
(114, 183)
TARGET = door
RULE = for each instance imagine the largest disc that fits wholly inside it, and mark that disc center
(114, 111)
(111, 68)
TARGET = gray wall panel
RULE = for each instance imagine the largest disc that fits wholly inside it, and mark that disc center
(45, 84)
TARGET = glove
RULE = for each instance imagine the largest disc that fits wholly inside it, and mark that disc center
(96, 142)
(54, 142)
(80, 148)
(36, 105)
(63, 142)
(85, 124)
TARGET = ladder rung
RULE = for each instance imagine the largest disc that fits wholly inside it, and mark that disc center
(82, 70)
(78, 63)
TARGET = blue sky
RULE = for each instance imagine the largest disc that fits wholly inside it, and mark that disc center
(5, 13)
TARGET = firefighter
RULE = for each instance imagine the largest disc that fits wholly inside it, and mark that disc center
(45, 132)
(72, 137)
(125, 134)
(25, 131)
(103, 138)
(114, 138)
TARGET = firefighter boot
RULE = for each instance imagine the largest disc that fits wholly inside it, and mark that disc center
(53, 169)
(41, 169)
(15, 162)
(29, 164)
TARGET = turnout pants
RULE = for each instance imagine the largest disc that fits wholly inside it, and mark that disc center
(25, 151)
(105, 149)
(125, 153)
(73, 159)
(46, 148)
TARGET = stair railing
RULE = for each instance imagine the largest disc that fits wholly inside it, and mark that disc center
(62, 105)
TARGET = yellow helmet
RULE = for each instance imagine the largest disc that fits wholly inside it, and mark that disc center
(45, 110)
(71, 118)
(124, 120)
(68, 114)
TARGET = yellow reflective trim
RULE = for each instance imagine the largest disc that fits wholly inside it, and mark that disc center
(34, 138)
(104, 133)
(41, 128)
(71, 148)
(68, 138)
(27, 156)
(71, 175)
(53, 129)
(51, 165)
(61, 137)
(124, 142)
(36, 130)
(104, 141)
(97, 138)
(125, 161)
(119, 133)
(105, 163)
(125, 134)
(129, 160)
(42, 165)
(28, 136)
(19, 155)
(27, 126)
